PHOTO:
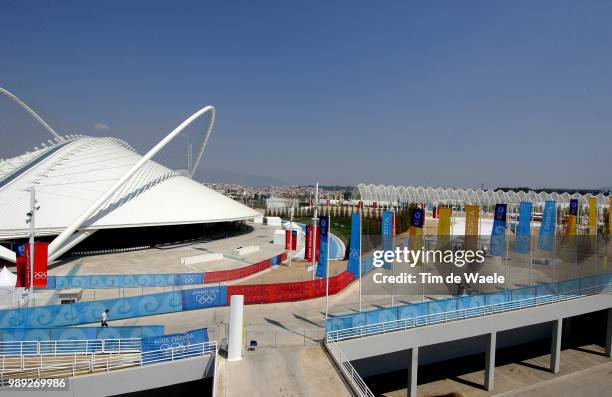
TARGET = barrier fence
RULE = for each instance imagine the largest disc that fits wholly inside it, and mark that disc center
(105, 281)
(79, 333)
(82, 364)
(426, 313)
(166, 302)
(63, 347)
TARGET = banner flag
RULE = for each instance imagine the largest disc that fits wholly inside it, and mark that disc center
(41, 250)
(570, 229)
(546, 236)
(610, 214)
(523, 231)
(168, 341)
(353, 261)
(323, 231)
(386, 232)
(394, 230)
(592, 215)
(415, 231)
(308, 247)
(444, 226)
(498, 233)
(471, 227)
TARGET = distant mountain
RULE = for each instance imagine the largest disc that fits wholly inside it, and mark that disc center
(241, 178)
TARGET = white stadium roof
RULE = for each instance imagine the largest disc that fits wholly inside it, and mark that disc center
(78, 175)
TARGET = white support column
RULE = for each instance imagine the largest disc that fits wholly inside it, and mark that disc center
(555, 346)
(234, 352)
(413, 370)
(609, 335)
(490, 361)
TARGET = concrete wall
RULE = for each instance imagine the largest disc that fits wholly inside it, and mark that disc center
(132, 379)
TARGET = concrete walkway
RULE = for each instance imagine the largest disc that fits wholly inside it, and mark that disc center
(287, 372)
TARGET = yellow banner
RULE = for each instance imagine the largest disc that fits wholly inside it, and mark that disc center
(571, 225)
(471, 227)
(444, 226)
(592, 215)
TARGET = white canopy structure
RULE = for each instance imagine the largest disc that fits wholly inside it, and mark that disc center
(7, 279)
(390, 195)
(84, 184)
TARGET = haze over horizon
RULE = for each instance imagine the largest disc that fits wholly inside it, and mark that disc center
(436, 94)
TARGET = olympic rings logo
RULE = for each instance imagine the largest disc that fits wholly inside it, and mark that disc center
(40, 275)
(205, 298)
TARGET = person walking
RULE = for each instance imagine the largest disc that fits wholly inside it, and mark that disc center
(105, 318)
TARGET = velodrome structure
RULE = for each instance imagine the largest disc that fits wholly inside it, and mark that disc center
(391, 195)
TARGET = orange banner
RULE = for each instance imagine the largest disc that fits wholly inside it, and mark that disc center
(471, 227)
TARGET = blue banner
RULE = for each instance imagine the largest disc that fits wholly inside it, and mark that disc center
(546, 237)
(573, 208)
(354, 253)
(498, 233)
(200, 298)
(386, 232)
(79, 333)
(174, 340)
(323, 236)
(418, 217)
(523, 231)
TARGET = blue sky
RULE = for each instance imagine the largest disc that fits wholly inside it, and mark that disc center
(433, 93)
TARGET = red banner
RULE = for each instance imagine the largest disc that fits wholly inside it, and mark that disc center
(286, 292)
(291, 239)
(23, 273)
(40, 263)
(308, 245)
(233, 274)
(393, 231)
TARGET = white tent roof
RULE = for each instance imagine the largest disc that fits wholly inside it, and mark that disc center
(7, 279)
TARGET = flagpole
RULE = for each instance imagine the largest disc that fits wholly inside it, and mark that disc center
(314, 231)
(360, 241)
(530, 246)
(327, 268)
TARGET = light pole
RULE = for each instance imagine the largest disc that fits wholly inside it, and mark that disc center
(31, 219)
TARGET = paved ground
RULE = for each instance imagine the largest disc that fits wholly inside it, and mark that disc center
(594, 381)
(288, 372)
(585, 371)
(167, 259)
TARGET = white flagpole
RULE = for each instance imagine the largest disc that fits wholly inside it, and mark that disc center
(360, 241)
(327, 269)
(314, 231)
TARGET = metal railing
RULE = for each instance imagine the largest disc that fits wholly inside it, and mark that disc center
(353, 378)
(88, 362)
(460, 314)
(59, 347)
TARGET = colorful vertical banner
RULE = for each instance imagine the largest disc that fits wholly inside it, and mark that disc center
(308, 245)
(571, 218)
(546, 236)
(610, 214)
(394, 229)
(498, 233)
(523, 230)
(323, 236)
(40, 263)
(415, 232)
(353, 261)
(386, 232)
(471, 227)
(592, 215)
(444, 226)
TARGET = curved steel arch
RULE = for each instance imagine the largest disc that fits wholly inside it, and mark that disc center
(57, 243)
(32, 113)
